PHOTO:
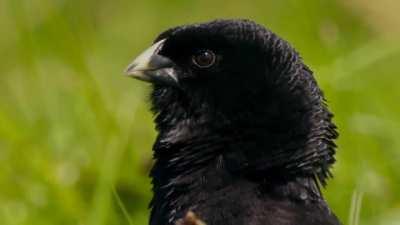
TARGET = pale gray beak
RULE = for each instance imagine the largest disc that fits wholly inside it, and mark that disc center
(152, 67)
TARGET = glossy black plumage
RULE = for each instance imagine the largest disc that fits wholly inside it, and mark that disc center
(246, 141)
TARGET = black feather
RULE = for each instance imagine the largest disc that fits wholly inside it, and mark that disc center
(247, 141)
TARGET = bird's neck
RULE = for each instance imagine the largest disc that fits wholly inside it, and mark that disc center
(194, 165)
(204, 183)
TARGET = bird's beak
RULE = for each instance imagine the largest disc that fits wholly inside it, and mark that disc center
(152, 67)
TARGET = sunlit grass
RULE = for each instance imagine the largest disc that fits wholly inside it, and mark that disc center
(355, 208)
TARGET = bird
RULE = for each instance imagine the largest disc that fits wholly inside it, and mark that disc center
(244, 133)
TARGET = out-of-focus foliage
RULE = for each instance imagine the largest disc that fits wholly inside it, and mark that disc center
(76, 135)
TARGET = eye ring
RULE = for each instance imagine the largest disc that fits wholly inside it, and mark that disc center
(204, 59)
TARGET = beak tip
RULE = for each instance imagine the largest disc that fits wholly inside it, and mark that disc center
(129, 71)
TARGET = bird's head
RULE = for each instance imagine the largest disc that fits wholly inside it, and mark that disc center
(224, 65)
(233, 73)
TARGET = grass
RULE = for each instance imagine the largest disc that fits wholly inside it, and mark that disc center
(75, 134)
(355, 208)
(122, 207)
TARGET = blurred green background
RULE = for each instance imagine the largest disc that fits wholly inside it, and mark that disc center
(76, 135)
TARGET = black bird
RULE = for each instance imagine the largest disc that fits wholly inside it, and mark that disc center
(244, 133)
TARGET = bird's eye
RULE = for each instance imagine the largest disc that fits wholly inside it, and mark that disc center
(204, 59)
